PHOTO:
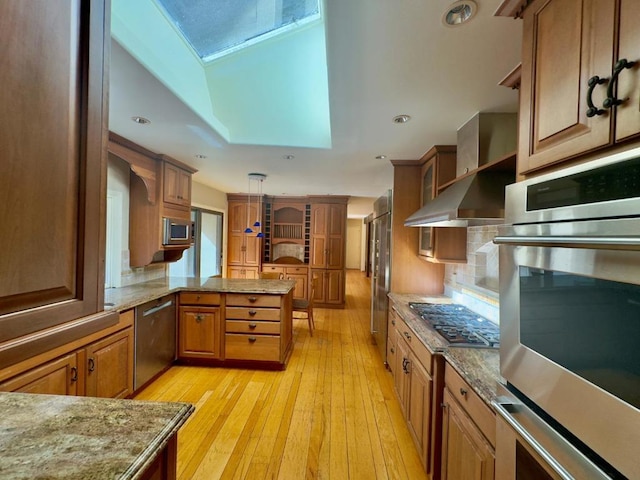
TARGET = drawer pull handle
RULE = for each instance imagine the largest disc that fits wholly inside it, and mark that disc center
(198, 297)
(252, 312)
(393, 350)
(592, 111)
(406, 334)
(74, 374)
(253, 325)
(611, 100)
(393, 322)
(92, 364)
(252, 339)
(463, 392)
(253, 299)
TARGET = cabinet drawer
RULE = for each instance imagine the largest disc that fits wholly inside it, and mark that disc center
(252, 347)
(194, 298)
(297, 270)
(244, 313)
(272, 268)
(253, 300)
(479, 411)
(248, 326)
(421, 352)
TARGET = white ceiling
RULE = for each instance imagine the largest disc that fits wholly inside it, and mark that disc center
(385, 57)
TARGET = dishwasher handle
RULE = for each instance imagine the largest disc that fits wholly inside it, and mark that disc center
(157, 308)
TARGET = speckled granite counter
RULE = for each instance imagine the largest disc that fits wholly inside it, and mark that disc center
(480, 367)
(67, 437)
(128, 297)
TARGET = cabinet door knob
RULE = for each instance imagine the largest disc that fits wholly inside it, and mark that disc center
(92, 364)
(463, 392)
(594, 81)
(198, 318)
(252, 339)
(253, 299)
(611, 100)
(407, 336)
(252, 326)
(252, 313)
(393, 350)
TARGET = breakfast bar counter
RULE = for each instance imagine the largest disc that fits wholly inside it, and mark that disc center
(74, 438)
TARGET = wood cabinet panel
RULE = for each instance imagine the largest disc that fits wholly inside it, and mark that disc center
(419, 407)
(254, 313)
(110, 366)
(58, 377)
(466, 453)
(52, 168)
(252, 326)
(177, 185)
(199, 333)
(565, 44)
(628, 114)
(252, 347)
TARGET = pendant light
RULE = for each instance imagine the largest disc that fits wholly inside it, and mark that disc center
(259, 178)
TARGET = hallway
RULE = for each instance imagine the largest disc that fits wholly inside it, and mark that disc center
(332, 414)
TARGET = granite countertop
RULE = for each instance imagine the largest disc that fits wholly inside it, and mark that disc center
(128, 297)
(67, 437)
(480, 367)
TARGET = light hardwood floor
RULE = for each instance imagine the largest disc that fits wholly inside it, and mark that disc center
(332, 414)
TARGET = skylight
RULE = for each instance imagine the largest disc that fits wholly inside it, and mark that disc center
(216, 27)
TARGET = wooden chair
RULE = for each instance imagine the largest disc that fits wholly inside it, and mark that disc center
(306, 306)
(272, 275)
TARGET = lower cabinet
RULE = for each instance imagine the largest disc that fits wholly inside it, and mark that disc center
(243, 272)
(413, 366)
(199, 326)
(468, 432)
(103, 368)
(329, 287)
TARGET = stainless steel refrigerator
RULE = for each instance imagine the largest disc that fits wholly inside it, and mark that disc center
(380, 249)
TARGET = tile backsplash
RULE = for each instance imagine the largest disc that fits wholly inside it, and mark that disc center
(475, 283)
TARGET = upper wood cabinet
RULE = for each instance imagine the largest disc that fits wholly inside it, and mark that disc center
(439, 244)
(160, 187)
(328, 239)
(243, 249)
(52, 173)
(177, 184)
(572, 74)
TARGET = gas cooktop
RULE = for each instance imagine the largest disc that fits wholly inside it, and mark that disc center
(458, 325)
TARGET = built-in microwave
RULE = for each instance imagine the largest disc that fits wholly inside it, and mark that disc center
(570, 306)
(177, 231)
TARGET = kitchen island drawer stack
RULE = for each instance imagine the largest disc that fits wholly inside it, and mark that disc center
(256, 327)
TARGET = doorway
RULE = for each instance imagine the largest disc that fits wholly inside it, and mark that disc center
(204, 257)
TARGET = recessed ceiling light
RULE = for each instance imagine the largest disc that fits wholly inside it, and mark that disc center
(459, 13)
(289, 157)
(381, 157)
(401, 118)
(141, 120)
(199, 155)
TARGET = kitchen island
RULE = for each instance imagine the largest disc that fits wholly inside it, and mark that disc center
(69, 437)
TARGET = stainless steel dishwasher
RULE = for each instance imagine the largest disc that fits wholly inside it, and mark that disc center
(155, 338)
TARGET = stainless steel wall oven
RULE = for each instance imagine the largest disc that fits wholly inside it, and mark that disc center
(570, 310)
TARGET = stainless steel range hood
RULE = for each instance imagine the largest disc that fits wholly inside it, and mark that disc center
(474, 200)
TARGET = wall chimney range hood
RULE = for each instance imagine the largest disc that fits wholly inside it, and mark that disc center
(486, 144)
(477, 199)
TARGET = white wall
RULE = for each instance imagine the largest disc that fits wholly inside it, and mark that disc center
(354, 243)
(203, 196)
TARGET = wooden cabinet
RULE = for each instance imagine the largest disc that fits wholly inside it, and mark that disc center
(328, 249)
(199, 326)
(177, 185)
(160, 187)
(58, 377)
(103, 368)
(330, 285)
(567, 46)
(413, 367)
(109, 366)
(328, 226)
(258, 327)
(439, 244)
(468, 432)
(52, 167)
(301, 276)
(243, 249)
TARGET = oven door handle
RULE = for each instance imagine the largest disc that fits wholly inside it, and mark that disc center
(602, 243)
(504, 406)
